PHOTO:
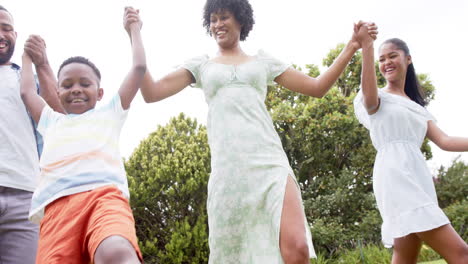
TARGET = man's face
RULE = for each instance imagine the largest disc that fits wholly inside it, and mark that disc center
(7, 37)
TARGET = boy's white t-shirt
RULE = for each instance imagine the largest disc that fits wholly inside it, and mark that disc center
(81, 153)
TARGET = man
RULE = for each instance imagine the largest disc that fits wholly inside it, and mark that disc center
(19, 151)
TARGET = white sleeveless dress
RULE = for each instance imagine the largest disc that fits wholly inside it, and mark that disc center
(403, 185)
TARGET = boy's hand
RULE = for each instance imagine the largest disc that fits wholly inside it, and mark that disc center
(35, 47)
(131, 19)
(26, 58)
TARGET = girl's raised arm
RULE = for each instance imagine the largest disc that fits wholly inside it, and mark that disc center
(368, 75)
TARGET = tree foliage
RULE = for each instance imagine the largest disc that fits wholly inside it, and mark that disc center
(452, 183)
(168, 175)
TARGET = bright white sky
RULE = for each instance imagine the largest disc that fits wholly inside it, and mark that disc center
(296, 31)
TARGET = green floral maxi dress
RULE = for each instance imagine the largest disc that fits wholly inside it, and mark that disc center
(249, 166)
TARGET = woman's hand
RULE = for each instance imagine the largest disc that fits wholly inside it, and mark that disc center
(364, 34)
(131, 19)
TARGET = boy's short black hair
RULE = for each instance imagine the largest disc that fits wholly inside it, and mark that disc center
(241, 9)
(82, 60)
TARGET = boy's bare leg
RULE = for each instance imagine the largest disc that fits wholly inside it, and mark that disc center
(116, 250)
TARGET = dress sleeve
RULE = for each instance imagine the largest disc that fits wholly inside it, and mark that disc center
(360, 111)
(409, 104)
(430, 117)
(194, 67)
(274, 66)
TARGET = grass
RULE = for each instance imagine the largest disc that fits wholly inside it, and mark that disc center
(375, 254)
(440, 261)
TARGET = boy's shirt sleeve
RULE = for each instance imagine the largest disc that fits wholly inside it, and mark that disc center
(115, 105)
(48, 118)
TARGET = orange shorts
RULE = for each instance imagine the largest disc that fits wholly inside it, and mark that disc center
(73, 226)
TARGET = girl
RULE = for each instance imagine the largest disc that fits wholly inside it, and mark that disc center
(403, 185)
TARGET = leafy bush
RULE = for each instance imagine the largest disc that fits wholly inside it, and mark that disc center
(321, 259)
(457, 213)
(168, 175)
(369, 254)
(428, 254)
(452, 183)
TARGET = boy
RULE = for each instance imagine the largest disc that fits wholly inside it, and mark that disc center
(82, 197)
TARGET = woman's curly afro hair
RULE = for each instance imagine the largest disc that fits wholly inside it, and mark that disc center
(241, 9)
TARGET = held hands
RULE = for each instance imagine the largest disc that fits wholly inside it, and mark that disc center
(364, 34)
(35, 49)
(131, 19)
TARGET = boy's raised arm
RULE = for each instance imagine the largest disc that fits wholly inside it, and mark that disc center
(31, 99)
(132, 82)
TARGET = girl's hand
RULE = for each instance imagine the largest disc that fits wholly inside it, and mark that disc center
(26, 58)
(372, 30)
(131, 19)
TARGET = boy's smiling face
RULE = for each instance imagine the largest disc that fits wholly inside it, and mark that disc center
(78, 88)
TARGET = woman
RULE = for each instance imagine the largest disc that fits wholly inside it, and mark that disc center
(403, 185)
(255, 212)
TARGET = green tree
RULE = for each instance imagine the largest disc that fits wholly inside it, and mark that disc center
(452, 192)
(456, 212)
(168, 175)
(452, 183)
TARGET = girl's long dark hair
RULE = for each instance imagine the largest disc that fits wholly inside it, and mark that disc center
(412, 86)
